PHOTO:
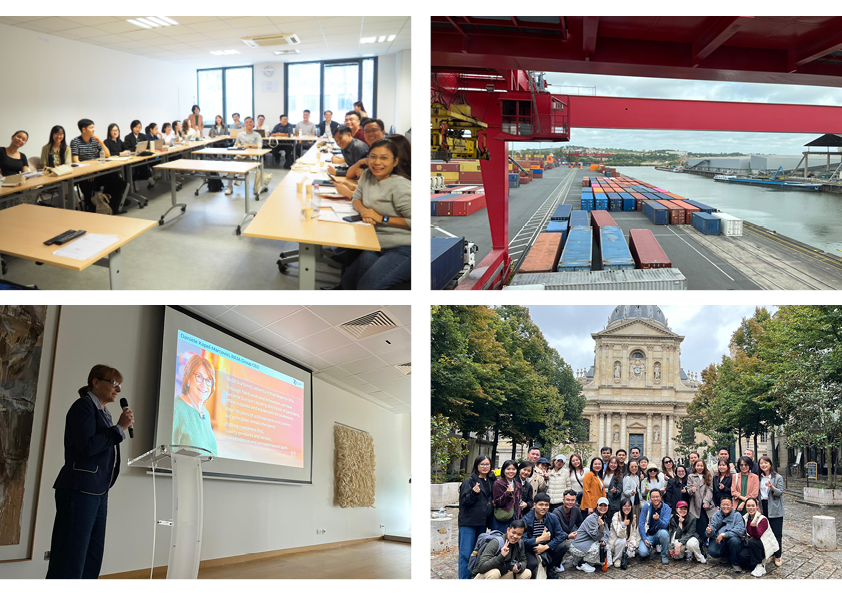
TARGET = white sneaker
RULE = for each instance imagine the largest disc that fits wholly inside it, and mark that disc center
(758, 571)
(238, 182)
(151, 181)
(617, 563)
(558, 568)
(658, 548)
(230, 190)
(703, 560)
(585, 567)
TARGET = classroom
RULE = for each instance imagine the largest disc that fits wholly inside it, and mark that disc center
(209, 153)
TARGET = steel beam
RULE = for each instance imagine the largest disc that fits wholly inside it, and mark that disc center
(590, 27)
(825, 43)
(720, 32)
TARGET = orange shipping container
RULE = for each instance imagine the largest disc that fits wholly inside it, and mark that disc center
(544, 254)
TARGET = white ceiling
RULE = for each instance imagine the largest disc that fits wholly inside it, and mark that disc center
(309, 336)
(192, 40)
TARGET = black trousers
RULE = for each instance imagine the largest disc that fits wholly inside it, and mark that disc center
(702, 525)
(777, 526)
(752, 554)
(556, 554)
(78, 540)
(112, 184)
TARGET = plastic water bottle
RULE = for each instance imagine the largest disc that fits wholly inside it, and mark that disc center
(102, 155)
(442, 513)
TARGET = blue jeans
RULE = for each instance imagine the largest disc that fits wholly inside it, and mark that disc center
(467, 541)
(379, 270)
(499, 525)
(730, 547)
(78, 535)
(661, 537)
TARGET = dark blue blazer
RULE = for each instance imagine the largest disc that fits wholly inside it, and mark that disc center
(90, 462)
(551, 523)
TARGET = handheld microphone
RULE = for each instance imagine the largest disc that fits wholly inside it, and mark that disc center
(125, 405)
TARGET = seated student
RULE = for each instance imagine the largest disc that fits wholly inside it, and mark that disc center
(305, 128)
(625, 534)
(761, 543)
(654, 525)
(570, 517)
(12, 161)
(144, 172)
(383, 198)
(219, 127)
(167, 134)
(358, 106)
(352, 121)
(328, 124)
(178, 133)
(115, 144)
(283, 130)
(248, 139)
(543, 537)
(57, 151)
(259, 125)
(728, 527)
(506, 561)
(373, 131)
(152, 134)
(684, 538)
(593, 532)
(352, 150)
(405, 155)
(197, 122)
(237, 125)
(86, 147)
(188, 132)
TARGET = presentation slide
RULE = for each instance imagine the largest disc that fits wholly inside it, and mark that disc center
(235, 407)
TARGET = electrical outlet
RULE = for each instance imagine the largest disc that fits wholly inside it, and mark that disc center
(47, 555)
(382, 526)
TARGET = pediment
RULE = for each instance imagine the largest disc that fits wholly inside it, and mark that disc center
(637, 328)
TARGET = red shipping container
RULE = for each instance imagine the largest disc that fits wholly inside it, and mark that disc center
(442, 167)
(470, 204)
(470, 176)
(676, 212)
(543, 255)
(638, 204)
(536, 176)
(646, 250)
(586, 183)
(688, 210)
(444, 208)
(600, 219)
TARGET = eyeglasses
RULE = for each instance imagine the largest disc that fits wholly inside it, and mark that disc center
(114, 383)
(202, 380)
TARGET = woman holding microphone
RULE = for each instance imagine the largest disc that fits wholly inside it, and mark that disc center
(91, 467)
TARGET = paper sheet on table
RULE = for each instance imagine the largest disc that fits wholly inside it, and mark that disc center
(86, 246)
(119, 158)
(329, 215)
(79, 164)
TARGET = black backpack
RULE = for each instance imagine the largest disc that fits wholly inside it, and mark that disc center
(214, 183)
(482, 541)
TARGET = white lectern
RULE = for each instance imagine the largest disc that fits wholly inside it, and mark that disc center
(185, 462)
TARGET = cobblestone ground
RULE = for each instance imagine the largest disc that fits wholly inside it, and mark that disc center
(800, 559)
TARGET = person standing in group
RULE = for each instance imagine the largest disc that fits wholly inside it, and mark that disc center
(605, 454)
(653, 525)
(772, 501)
(621, 459)
(652, 481)
(745, 484)
(760, 544)
(724, 455)
(613, 482)
(543, 538)
(643, 464)
(533, 454)
(631, 486)
(506, 496)
(504, 561)
(475, 510)
(693, 456)
(540, 475)
(593, 487)
(700, 491)
(91, 467)
(726, 528)
(593, 532)
(358, 105)
(624, 538)
(524, 471)
(634, 454)
(570, 517)
(684, 537)
(667, 469)
(722, 481)
(676, 488)
(196, 120)
(576, 474)
(558, 481)
(749, 454)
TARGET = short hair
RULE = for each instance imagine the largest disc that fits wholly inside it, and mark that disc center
(725, 448)
(749, 449)
(100, 372)
(379, 123)
(637, 448)
(193, 363)
(524, 464)
(134, 123)
(604, 448)
(235, 114)
(247, 118)
(342, 130)
(327, 111)
(653, 490)
(506, 465)
(542, 497)
(517, 524)
(84, 123)
(531, 448)
(621, 450)
(643, 459)
(194, 108)
(283, 116)
(477, 461)
(569, 493)
(693, 453)
(306, 111)
(163, 127)
(261, 116)
(726, 497)
(745, 460)
(354, 113)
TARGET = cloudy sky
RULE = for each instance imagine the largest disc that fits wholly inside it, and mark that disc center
(706, 330)
(697, 142)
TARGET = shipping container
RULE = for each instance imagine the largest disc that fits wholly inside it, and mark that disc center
(558, 227)
(577, 251)
(514, 183)
(707, 224)
(544, 253)
(629, 204)
(702, 207)
(688, 210)
(586, 182)
(731, 226)
(579, 219)
(512, 177)
(599, 203)
(587, 202)
(537, 170)
(468, 205)
(561, 213)
(638, 204)
(676, 212)
(435, 200)
(469, 166)
(469, 177)
(615, 253)
(615, 204)
(646, 251)
(444, 167)
(447, 259)
(651, 279)
(600, 219)
(656, 212)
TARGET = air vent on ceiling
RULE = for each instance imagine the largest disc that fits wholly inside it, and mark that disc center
(284, 52)
(405, 369)
(369, 325)
(272, 40)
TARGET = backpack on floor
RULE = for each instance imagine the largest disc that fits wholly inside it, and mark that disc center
(214, 183)
(482, 541)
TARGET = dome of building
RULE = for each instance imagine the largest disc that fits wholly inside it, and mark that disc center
(653, 313)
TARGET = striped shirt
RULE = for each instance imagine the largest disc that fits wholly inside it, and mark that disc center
(537, 528)
(85, 151)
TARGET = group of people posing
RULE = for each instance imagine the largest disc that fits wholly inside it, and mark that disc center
(533, 519)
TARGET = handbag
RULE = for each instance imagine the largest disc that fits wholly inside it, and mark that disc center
(503, 515)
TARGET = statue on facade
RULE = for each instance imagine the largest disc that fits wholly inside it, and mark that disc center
(616, 369)
(657, 370)
(616, 434)
(657, 437)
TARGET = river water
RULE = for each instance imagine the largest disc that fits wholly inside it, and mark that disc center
(814, 218)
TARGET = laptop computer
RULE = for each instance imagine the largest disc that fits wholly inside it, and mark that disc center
(12, 181)
(159, 144)
(141, 147)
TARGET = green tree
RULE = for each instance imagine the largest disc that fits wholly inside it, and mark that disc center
(444, 446)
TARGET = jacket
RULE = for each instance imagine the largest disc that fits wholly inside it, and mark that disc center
(589, 533)
(551, 523)
(615, 499)
(527, 496)
(647, 485)
(631, 482)
(682, 532)
(732, 525)
(475, 510)
(575, 481)
(558, 482)
(538, 482)
(752, 488)
(490, 558)
(663, 522)
(571, 523)
(47, 150)
(618, 531)
(761, 531)
(323, 126)
(131, 142)
(91, 461)
(219, 131)
(703, 498)
(726, 488)
(673, 493)
(502, 499)
(775, 501)
(594, 489)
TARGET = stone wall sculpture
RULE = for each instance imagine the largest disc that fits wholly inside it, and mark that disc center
(354, 467)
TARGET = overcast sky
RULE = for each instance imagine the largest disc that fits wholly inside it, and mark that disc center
(706, 330)
(697, 142)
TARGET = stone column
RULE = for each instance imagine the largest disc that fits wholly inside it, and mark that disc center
(648, 445)
(609, 432)
(601, 431)
(672, 427)
(667, 436)
(624, 443)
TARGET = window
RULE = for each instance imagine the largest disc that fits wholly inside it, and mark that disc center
(638, 355)
(224, 91)
(334, 86)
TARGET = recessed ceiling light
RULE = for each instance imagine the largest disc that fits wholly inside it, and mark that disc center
(161, 22)
(381, 39)
(391, 38)
(152, 22)
(282, 52)
(169, 20)
(148, 22)
(224, 52)
(368, 40)
(138, 23)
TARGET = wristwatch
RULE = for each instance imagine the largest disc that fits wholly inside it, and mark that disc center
(385, 220)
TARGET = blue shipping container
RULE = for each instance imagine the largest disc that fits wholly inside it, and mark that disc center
(513, 176)
(707, 224)
(629, 204)
(587, 202)
(514, 183)
(561, 213)
(576, 255)
(433, 202)
(656, 212)
(615, 251)
(558, 227)
(701, 206)
(615, 204)
(537, 171)
(446, 260)
(579, 219)
(600, 204)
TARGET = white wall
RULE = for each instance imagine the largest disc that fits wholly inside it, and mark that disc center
(61, 81)
(271, 104)
(240, 517)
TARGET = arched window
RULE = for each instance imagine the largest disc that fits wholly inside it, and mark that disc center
(638, 355)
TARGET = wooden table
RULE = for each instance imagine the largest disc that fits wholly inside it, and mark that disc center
(24, 228)
(207, 167)
(259, 153)
(281, 219)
